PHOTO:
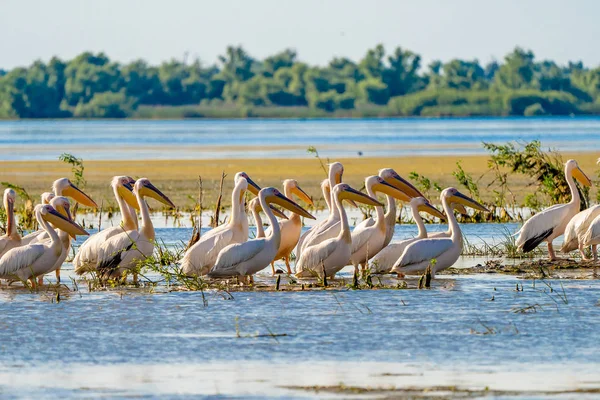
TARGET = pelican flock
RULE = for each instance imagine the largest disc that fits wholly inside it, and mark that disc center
(322, 250)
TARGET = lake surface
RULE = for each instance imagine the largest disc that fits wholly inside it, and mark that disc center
(123, 343)
(210, 139)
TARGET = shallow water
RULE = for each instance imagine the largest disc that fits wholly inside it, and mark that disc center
(193, 139)
(168, 344)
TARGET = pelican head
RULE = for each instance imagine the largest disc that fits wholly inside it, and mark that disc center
(64, 187)
(255, 206)
(452, 195)
(378, 184)
(344, 192)
(49, 214)
(62, 205)
(399, 183)
(423, 205)
(9, 200)
(46, 197)
(336, 170)
(252, 186)
(293, 187)
(145, 188)
(124, 187)
(571, 167)
(274, 196)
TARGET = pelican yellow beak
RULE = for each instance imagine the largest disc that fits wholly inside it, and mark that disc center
(149, 190)
(338, 178)
(288, 204)
(388, 189)
(73, 192)
(460, 198)
(355, 195)
(278, 212)
(402, 184)
(297, 190)
(460, 208)
(252, 186)
(64, 224)
(581, 177)
(66, 212)
(431, 210)
(126, 192)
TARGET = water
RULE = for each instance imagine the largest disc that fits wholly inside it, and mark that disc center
(210, 139)
(123, 343)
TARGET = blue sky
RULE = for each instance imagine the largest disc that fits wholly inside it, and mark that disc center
(318, 29)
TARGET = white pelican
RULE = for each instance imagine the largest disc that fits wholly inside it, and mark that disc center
(592, 237)
(384, 260)
(28, 261)
(292, 227)
(255, 209)
(331, 255)
(551, 223)
(246, 259)
(418, 255)
(326, 189)
(11, 238)
(122, 252)
(60, 187)
(330, 227)
(397, 181)
(87, 256)
(577, 228)
(368, 239)
(201, 257)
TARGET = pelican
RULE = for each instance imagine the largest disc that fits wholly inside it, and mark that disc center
(384, 260)
(397, 181)
(246, 259)
(28, 261)
(87, 256)
(330, 227)
(551, 223)
(255, 209)
(326, 190)
(122, 252)
(592, 237)
(418, 255)
(60, 187)
(577, 228)
(368, 239)
(292, 227)
(12, 238)
(62, 205)
(201, 257)
(331, 255)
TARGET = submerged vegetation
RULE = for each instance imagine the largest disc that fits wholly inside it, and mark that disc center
(241, 86)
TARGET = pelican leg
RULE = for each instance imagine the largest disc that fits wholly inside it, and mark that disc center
(135, 278)
(582, 252)
(40, 280)
(287, 264)
(400, 275)
(273, 267)
(356, 272)
(58, 275)
(595, 251)
(551, 252)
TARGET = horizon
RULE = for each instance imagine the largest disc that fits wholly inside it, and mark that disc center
(144, 30)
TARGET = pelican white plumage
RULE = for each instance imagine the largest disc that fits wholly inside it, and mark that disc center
(122, 252)
(201, 257)
(87, 256)
(326, 190)
(577, 228)
(368, 239)
(60, 187)
(11, 238)
(383, 262)
(392, 177)
(28, 261)
(248, 258)
(291, 227)
(330, 227)
(418, 255)
(551, 223)
(331, 255)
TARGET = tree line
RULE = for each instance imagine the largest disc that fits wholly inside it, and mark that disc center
(380, 84)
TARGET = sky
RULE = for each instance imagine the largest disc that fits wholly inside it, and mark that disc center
(158, 30)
